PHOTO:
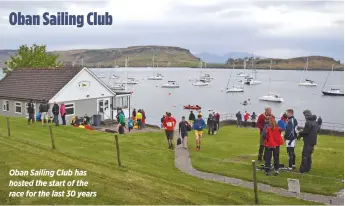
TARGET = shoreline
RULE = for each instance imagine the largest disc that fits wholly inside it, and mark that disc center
(240, 68)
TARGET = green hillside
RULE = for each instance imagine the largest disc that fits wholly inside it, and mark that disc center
(169, 56)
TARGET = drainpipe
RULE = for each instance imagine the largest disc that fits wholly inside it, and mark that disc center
(129, 107)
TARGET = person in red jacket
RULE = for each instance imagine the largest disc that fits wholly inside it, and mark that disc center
(218, 120)
(169, 126)
(246, 117)
(272, 142)
(260, 124)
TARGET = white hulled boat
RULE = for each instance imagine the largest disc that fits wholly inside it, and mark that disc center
(171, 84)
(200, 83)
(234, 88)
(307, 82)
(271, 96)
(333, 91)
(155, 76)
(132, 81)
(252, 80)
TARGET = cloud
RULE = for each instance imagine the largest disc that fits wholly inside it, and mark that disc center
(271, 28)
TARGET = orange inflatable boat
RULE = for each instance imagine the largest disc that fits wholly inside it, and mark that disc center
(197, 107)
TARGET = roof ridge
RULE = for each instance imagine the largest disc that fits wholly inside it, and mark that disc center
(50, 68)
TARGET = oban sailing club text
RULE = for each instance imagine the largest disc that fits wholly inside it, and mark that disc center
(61, 18)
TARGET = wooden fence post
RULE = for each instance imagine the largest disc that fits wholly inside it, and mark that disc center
(51, 136)
(8, 126)
(255, 183)
(118, 150)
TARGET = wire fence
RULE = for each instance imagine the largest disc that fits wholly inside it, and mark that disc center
(325, 125)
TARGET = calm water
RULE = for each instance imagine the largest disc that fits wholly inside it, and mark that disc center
(155, 100)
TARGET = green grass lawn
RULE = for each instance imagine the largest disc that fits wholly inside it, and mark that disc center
(231, 150)
(148, 177)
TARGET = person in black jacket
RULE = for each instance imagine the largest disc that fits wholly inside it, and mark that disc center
(31, 112)
(309, 134)
(253, 117)
(215, 123)
(239, 119)
(162, 120)
(43, 109)
(56, 112)
(191, 118)
(290, 138)
(210, 124)
(319, 122)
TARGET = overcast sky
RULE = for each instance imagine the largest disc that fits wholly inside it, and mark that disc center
(267, 28)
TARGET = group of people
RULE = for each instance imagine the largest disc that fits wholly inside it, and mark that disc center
(138, 119)
(198, 124)
(271, 139)
(213, 123)
(42, 114)
(246, 116)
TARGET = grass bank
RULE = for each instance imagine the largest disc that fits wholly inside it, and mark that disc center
(230, 153)
(148, 177)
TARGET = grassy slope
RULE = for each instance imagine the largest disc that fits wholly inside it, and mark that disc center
(149, 175)
(230, 153)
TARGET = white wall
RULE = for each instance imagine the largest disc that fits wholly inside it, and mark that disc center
(82, 86)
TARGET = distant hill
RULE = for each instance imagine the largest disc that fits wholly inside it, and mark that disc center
(221, 59)
(314, 62)
(141, 56)
(137, 56)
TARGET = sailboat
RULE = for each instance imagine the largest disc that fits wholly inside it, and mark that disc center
(206, 76)
(171, 84)
(115, 76)
(155, 76)
(271, 97)
(243, 74)
(131, 81)
(234, 88)
(202, 81)
(333, 91)
(307, 82)
(251, 80)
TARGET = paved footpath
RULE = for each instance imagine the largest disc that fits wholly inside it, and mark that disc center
(183, 163)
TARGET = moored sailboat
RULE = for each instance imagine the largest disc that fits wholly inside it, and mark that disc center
(271, 96)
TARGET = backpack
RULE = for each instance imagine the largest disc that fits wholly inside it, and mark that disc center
(179, 141)
(189, 127)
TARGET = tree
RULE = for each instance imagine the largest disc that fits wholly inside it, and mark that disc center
(31, 57)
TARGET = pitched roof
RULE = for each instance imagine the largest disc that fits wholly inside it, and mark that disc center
(36, 84)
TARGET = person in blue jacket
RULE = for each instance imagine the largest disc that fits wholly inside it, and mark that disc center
(38, 117)
(198, 126)
(290, 138)
(130, 124)
(282, 122)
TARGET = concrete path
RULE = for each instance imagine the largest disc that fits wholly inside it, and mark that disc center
(183, 163)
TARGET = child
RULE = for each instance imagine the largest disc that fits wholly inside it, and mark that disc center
(272, 142)
(130, 124)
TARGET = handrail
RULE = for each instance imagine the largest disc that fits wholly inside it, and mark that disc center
(325, 125)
